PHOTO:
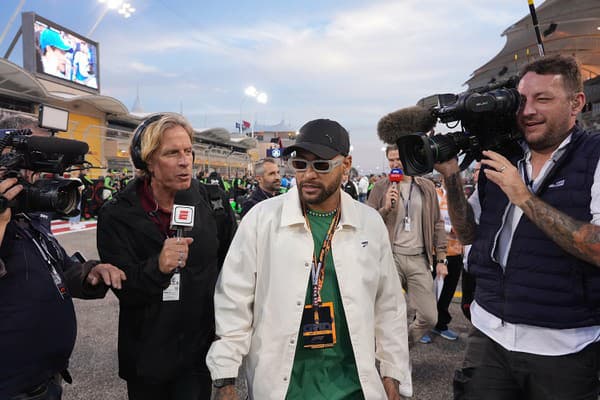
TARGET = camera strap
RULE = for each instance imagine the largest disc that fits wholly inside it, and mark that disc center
(42, 243)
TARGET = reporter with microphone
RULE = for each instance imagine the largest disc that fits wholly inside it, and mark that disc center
(410, 210)
(162, 229)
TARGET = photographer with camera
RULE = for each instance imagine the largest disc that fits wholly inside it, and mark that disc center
(536, 249)
(37, 283)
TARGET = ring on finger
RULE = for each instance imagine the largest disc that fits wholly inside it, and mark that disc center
(502, 168)
(179, 263)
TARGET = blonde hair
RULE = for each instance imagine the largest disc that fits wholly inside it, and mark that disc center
(153, 134)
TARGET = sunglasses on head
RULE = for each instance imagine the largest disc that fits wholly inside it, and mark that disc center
(320, 166)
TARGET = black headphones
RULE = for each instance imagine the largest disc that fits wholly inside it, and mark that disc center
(135, 149)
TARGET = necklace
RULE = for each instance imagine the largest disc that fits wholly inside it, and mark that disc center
(320, 214)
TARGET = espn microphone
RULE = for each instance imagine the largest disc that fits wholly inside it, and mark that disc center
(182, 217)
(404, 122)
(395, 177)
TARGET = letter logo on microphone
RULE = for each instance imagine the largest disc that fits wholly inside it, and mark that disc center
(183, 216)
(396, 175)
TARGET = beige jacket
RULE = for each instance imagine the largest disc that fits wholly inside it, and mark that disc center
(261, 291)
(435, 238)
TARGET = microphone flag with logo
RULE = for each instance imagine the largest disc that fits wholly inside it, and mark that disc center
(395, 176)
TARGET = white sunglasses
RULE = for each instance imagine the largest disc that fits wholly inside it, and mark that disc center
(320, 166)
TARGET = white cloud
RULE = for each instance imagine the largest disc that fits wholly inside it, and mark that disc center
(354, 65)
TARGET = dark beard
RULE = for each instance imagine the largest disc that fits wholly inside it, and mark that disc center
(326, 191)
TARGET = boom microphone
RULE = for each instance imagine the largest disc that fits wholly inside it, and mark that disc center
(57, 145)
(403, 122)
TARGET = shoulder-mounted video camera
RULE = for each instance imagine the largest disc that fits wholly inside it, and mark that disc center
(21, 150)
(487, 116)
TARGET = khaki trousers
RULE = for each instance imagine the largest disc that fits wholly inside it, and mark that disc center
(417, 281)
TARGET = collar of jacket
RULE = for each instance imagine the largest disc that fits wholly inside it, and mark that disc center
(136, 217)
(291, 213)
(130, 193)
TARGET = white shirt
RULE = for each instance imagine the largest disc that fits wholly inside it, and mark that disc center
(261, 291)
(528, 338)
(363, 185)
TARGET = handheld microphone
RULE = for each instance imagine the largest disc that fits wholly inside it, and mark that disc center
(404, 122)
(395, 176)
(182, 217)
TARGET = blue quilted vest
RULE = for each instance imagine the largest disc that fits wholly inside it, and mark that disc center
(542, 284)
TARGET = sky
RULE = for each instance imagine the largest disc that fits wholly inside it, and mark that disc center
(348, 60)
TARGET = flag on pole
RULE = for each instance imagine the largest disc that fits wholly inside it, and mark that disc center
(245, 124)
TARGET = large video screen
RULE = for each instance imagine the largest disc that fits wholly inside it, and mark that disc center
(63, 54)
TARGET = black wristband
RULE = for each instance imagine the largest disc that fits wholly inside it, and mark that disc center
(220, 383)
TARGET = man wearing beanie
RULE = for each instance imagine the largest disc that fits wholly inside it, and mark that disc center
(310, 288)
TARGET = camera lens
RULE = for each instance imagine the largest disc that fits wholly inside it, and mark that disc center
(415, 154)
(66, 200)
(444, 147)
(58, 195)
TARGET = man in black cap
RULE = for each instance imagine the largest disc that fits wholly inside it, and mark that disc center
(309, 288)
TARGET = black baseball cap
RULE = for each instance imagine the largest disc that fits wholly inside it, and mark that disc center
(322, 137)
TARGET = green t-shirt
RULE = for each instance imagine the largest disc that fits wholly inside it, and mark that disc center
(330, 373)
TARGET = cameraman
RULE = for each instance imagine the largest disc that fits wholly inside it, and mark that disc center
(37, 283)
(536, 249)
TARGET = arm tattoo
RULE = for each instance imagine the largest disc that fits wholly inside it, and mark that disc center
(580, 239)
(461, 213)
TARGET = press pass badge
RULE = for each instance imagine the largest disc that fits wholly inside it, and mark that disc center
(320, 333)
(407, 224)
(172, 292)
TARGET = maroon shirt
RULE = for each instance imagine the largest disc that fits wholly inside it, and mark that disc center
(160, 217)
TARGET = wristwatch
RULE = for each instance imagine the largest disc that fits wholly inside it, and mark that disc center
(219, 383)
(443, 261)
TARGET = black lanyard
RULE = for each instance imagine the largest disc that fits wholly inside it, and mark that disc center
(42, 243)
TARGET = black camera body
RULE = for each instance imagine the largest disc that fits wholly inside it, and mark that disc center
(488, 120)
(41, 154)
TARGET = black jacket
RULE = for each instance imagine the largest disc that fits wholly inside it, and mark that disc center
(38, 327)
(541, 284)
(350, 188)
(158, 341)
(256, 197)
